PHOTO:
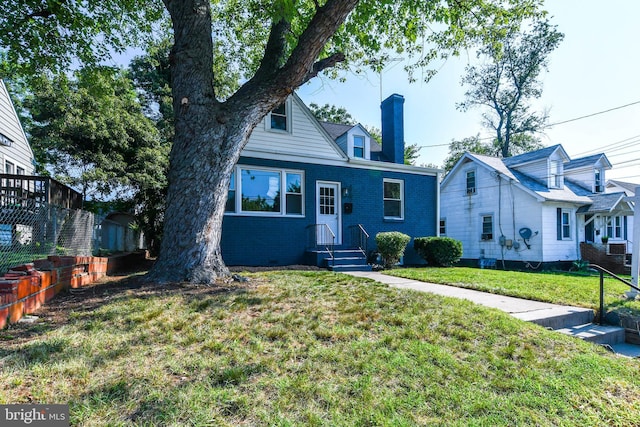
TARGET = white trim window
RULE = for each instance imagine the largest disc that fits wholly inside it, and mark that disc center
(598, 181)
(471, 182)
(358, 146)
(614, 227)
(231, 194)
(9, 167)
(393, 198)
(566, 224)
(443, 227)
(279, 120)
(487, 228)
(555, 174)
(266, 191)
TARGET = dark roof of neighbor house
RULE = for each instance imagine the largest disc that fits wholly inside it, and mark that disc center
(584, 161)
(336, 130)
(629, 186)
(531, 156)
(602, 203)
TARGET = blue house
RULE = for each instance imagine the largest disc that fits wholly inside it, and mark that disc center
(305, 192)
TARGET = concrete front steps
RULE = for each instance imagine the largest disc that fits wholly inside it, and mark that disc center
(577, 322)
(347, 260)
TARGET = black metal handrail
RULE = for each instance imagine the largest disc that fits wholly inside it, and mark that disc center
(322, 235)
(359, 238)
(602, 272)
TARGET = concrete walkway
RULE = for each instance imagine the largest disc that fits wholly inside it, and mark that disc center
(542, 313)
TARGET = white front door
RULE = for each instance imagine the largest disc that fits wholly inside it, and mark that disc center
(328, 212)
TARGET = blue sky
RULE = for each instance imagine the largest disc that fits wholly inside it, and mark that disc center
(596, 68)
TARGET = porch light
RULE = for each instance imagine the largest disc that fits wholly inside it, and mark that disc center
(346, 191)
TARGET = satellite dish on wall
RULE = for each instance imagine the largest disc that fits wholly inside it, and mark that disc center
(525, 233)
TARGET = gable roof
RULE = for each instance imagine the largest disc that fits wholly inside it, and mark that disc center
(603, 203)
(535, 156)
(17, 147)
(570, 192)
(588, 161)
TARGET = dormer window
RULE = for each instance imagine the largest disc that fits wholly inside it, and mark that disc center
(555, 174)
(358, 146)
(598, 181)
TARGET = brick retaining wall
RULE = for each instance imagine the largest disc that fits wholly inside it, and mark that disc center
(27, 287)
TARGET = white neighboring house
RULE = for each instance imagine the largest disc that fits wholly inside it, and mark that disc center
(16, 156)
(531, 210)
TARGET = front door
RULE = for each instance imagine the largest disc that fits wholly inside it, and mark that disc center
(328, 212)
(589, 235)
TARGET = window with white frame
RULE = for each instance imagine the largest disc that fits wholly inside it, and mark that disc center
(393, 198)
(471, 182)
(358, 146)
(231, 195)
(566, 224)
(487, 227)
(443, 226)
(614, 227)
(279, 119)
(555, 174)
(9, 168)
(598, 181)
(266, 191)
(19, 170)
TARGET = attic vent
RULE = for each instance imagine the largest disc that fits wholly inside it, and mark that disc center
(4, 140)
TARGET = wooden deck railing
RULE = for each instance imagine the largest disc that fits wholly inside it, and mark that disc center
(28, 190)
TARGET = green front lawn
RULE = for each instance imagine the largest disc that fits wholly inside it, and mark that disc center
(559, 288)
(307, 349)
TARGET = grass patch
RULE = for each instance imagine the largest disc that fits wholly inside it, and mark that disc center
(577, 290)
(312, 349)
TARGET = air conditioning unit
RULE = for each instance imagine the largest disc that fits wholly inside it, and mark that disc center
(599, 188)
(471, 191)
(486, 236)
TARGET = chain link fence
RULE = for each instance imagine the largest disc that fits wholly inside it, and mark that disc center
(35, 230)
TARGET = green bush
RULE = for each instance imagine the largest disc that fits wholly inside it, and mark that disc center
(438, 251)
(391, 245)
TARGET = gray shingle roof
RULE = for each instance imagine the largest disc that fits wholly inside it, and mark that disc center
(335, 130)
(531, 156)
(602, 203)
(583, 161)
(570, 192)
(629, 186)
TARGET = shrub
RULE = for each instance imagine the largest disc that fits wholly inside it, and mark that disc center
(438, 251)
(391, 245)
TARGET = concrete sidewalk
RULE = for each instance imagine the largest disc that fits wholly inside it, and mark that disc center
(544, 314)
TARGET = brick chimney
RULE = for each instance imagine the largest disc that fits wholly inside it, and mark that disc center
(393, 128)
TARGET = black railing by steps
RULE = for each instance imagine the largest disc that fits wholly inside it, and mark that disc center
(602, 272)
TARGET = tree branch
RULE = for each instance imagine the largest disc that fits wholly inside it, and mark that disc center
(323, 64)
(275, 51)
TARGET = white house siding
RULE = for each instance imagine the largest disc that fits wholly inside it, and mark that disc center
(554, 249)
(538, 170)
(583, 176)
(19, 153)
(467, 226)
(305, 138)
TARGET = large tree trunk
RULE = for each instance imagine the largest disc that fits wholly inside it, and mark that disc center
(210, 135)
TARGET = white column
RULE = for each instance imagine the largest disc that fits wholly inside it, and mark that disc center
(636, 243)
